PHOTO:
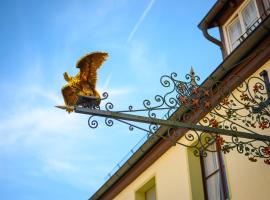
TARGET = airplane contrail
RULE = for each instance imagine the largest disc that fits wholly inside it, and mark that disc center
(145, 12)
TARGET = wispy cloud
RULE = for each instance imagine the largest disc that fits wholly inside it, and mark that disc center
(141, 19)
(114, 92)
(106, 83)
(145, 62)
(59, 166)
(59, 142)
(34, 122)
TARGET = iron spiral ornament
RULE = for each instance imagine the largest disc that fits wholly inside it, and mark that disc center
(245, 107)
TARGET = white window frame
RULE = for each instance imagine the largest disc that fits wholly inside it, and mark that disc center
(150, 184)
(236, 14)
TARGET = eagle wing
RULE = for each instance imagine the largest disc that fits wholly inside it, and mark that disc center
(89, 64)
(70, 97)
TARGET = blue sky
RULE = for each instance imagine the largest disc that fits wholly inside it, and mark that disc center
(46, 153)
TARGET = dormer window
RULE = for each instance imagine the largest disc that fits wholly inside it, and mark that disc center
(241, 24)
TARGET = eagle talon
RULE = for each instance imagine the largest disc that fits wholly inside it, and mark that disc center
(69, 110)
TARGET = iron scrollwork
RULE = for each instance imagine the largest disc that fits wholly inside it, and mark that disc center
(245, 107)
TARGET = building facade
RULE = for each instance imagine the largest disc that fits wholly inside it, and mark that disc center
(159, 170)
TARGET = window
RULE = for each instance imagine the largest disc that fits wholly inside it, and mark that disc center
(242, 24)
(235, 31)
(249, 15)
(147, 191)
(214, 177)
(151, 194)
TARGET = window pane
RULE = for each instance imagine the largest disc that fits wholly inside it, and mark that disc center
(151, 194)
(235, 32)
(214, 187)
(249, 14)
(211, 160)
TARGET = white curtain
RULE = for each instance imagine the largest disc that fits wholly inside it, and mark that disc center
(213, 183)
(235, 32)
(214, 188)
(249, 14)
(211, 160)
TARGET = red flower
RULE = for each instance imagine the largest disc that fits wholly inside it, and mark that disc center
(255, 88)
(267, 161)
(263, 124)
(213, 123)
(206, 93)
(207, 104)
(219, 140)
(266, 150)
(194, 91)
(195, 102)
(183, 100)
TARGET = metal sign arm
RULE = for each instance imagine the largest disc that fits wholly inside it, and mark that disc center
(169, 123)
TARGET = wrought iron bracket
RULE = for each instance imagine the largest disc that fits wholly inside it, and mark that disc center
(169, 123)
(242, 114)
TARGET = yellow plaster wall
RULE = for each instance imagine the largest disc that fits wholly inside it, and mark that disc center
(247, 180)
(172, 179)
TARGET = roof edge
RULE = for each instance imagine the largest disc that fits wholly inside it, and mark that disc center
(212, 13)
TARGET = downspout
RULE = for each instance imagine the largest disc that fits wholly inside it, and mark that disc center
(204, 24)
(211, 38)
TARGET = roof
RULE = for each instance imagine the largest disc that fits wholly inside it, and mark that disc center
(220, 9)
(212, 13)
(231, 62)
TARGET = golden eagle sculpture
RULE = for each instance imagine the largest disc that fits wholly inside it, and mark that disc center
(84, 83)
